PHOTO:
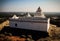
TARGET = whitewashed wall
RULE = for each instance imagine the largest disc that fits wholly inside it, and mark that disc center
(30, 25)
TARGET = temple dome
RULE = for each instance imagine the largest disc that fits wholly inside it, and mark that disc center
(39, 9)
(39, 13)
(15, 17)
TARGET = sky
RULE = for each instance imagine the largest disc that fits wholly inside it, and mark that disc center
(29, 5)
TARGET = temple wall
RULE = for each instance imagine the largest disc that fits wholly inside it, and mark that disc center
(29, 25)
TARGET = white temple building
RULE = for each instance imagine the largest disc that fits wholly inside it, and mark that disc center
(39, 22)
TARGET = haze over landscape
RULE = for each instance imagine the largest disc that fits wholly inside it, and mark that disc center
(22, 20)
(29, 5)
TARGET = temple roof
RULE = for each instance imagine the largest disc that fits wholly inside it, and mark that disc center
(31, 19)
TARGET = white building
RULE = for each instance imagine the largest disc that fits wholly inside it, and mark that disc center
(31, 23)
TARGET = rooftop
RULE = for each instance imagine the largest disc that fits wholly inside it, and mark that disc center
(30, 19)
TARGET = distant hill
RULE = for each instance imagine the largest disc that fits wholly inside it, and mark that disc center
(52, 14)
(10, 14)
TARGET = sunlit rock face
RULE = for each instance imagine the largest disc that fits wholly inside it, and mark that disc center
(39, 13)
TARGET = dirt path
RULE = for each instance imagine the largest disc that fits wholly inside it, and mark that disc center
(5, 23)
